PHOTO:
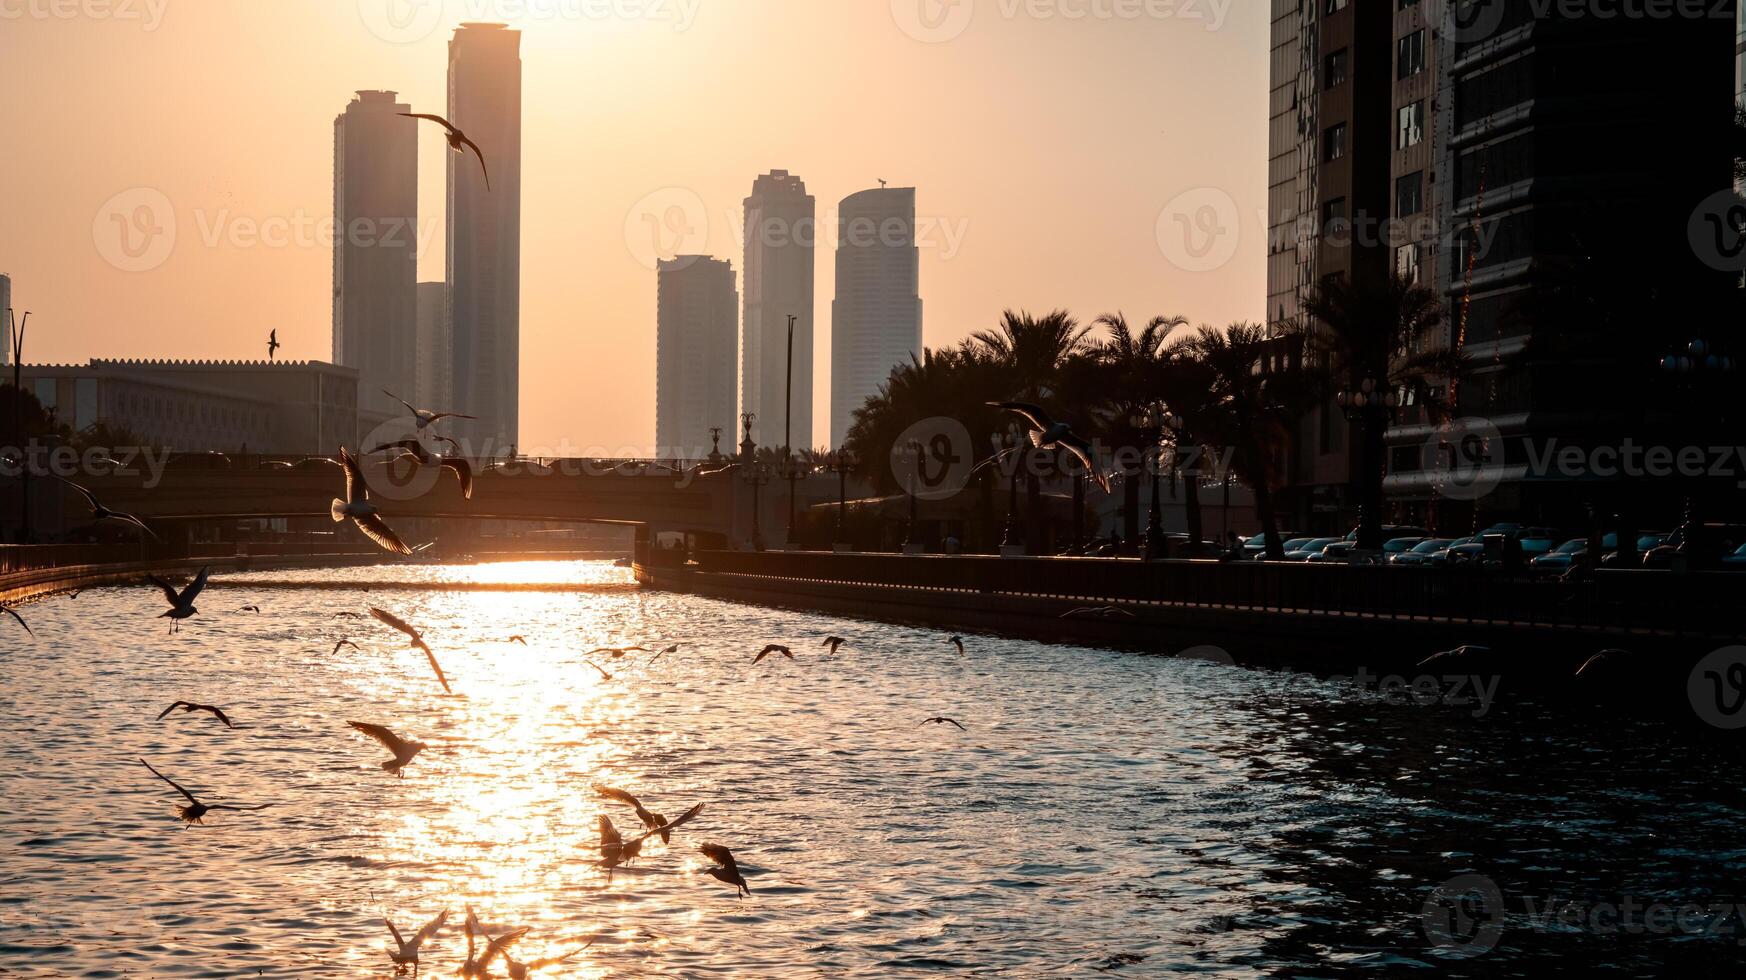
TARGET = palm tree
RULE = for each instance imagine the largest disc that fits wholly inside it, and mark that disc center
(1132, 364)
(1373, 332)
(1740, 142)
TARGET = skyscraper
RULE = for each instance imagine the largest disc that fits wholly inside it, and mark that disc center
(375, 255)
(876, 317)
(696, 338)
(5, 318)
(435, 358)
(484, 234)
(781, 230)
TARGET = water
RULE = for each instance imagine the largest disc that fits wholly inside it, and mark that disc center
(1106, 811)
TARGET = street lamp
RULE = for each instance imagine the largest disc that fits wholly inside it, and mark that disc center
(1159, 417)
(1369, 404)
(840, 462)
(788, 425)
(915, 459)
(18, 426)
(757, 474)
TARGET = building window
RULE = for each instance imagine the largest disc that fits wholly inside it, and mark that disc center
(1406, 263)
(1334, 142)
(1334, 215)
(1335, 72)
(1410, 56)
(1412, 125)
(1409, 194)
(1335, 6)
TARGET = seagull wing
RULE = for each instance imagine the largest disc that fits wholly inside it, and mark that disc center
(390, 619)
(1032, 414)
(1076, 444)
(609, 837)
(603, 674)
(377, 530)
(721, 856)
(396, 934)
(619, 795)
(172, 782)
(541, 964)
(216, 712)
(90, 498)
(168, 589)
(399, 399)
(430, 929)
(171, 708)
(194, 588)
(463, 472)
(481, 155)
(951, 721)
(136, 522)
(410, 445)
(667, 828)
(389, 740)
(444, 123)
(439, 416)
(428, 655)
(14, 614)
(449, 441)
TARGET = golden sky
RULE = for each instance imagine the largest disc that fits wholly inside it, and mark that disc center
(1062, 150)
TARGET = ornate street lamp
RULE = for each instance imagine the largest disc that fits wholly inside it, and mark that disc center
(840, 463)
(1697, 368)
(757, 474)
(18, 426)
(1369, 404)
(1011, 440)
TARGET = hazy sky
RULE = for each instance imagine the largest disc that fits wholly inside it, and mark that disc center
(1062, 151)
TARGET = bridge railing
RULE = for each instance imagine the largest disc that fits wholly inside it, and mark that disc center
(1666, 603)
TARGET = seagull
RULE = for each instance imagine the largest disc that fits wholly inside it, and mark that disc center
(250, 608)
(958, 642)
(182, 604)
(618, 652)
(943, 721)
(100, 513)
(424, 417)
(417, 641)
(521, 971)
(196, 810)
(727, 870)
(273, 344)
(1046, 433)
(712, 471)
(517, 638)
(406, 952)
(403, 750)
(188, 706)
(1594, 663)
(1103, 612)
(348, 615)
(615, 850)
(833, 642)
(1461, 652)
(651, 820)
(461, 468)
(671, 649)
(8, 610)
(346, 643)
(772, 648)
(480, 966)
(603, 674)
(457, 140)
(357, 506)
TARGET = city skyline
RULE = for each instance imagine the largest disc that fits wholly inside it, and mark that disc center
(696, 337)
(779, 283)
(876, 309)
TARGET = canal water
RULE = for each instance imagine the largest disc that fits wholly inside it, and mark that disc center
(1104, 812)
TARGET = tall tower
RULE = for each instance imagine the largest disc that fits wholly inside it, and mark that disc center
(435, 355)
(781, 230)
(375, 255)
(876, 317)
(5, 319)
(484, 234)
(697, 336)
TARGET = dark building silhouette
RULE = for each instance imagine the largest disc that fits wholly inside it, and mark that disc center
(781, 235)
(696, 342)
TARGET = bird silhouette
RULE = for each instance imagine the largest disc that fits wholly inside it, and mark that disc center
(100, 513)
(727, 870)
(673, 648)
(618, 652)
(423, 418)
(603, 674)
(405, 951)
(417, 642)
(196, 811)
(362, 513)
(8, 610)
(1100, 612)
(943, 721)
(651, 820)
(273, 344)
(457, 140)
(250, 608)
(414, 449)
(188, 706)
(833, 642)
(1593, 666)
(345, 643)
(958, 642)
(772, 648)
(1047, 433)
(517, 638)
(181, 603)
(480, 966)
(404, 750)
(1450, 658)
(615, 850)
(521, 971)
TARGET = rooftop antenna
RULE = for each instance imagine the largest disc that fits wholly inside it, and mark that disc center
(882, 183)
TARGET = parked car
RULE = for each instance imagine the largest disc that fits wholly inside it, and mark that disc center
(1536, 541)
(1700, 547)
(1394, 531)
(1396, 546)
(1461, 551)
(1256, 546)
(1421, 553)
(1646, 542)
(1563, 558)
(1336, 553)
(1290, 545)
(1313, 547)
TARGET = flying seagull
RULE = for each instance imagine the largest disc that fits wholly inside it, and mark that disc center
(100, 513)
(181, 604)
(651, 820)
(457, 140)
(674, 648)
(346, 643)
(417, 641)
(424, 417)
(521, 971)
(958, 642)
(480, 966)
(517, 638)
(727, 870)
(1462, 652)
(403, 750)
(1594, 663)
(615, 850)
(603, 674)
(273, 344)
(772, 648)
(618, 652)
(188, 706)
(250, 608)
(406, 951)
(8, 610)
(1046, 433)
(1102, 612)
(357, 506)
(460, 467)
(195, 810)
(943, 721)
(833, 642)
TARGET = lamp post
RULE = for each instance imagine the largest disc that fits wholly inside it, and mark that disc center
(1371, 405)
(1156, 416)
(1009, 537)
(915, 457)
(715, 444)
(757, 474)
(18, 427)
(788, 425)
(840, 462)
(1700, 369)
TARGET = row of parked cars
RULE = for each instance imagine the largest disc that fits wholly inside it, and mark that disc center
(1542, 550)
